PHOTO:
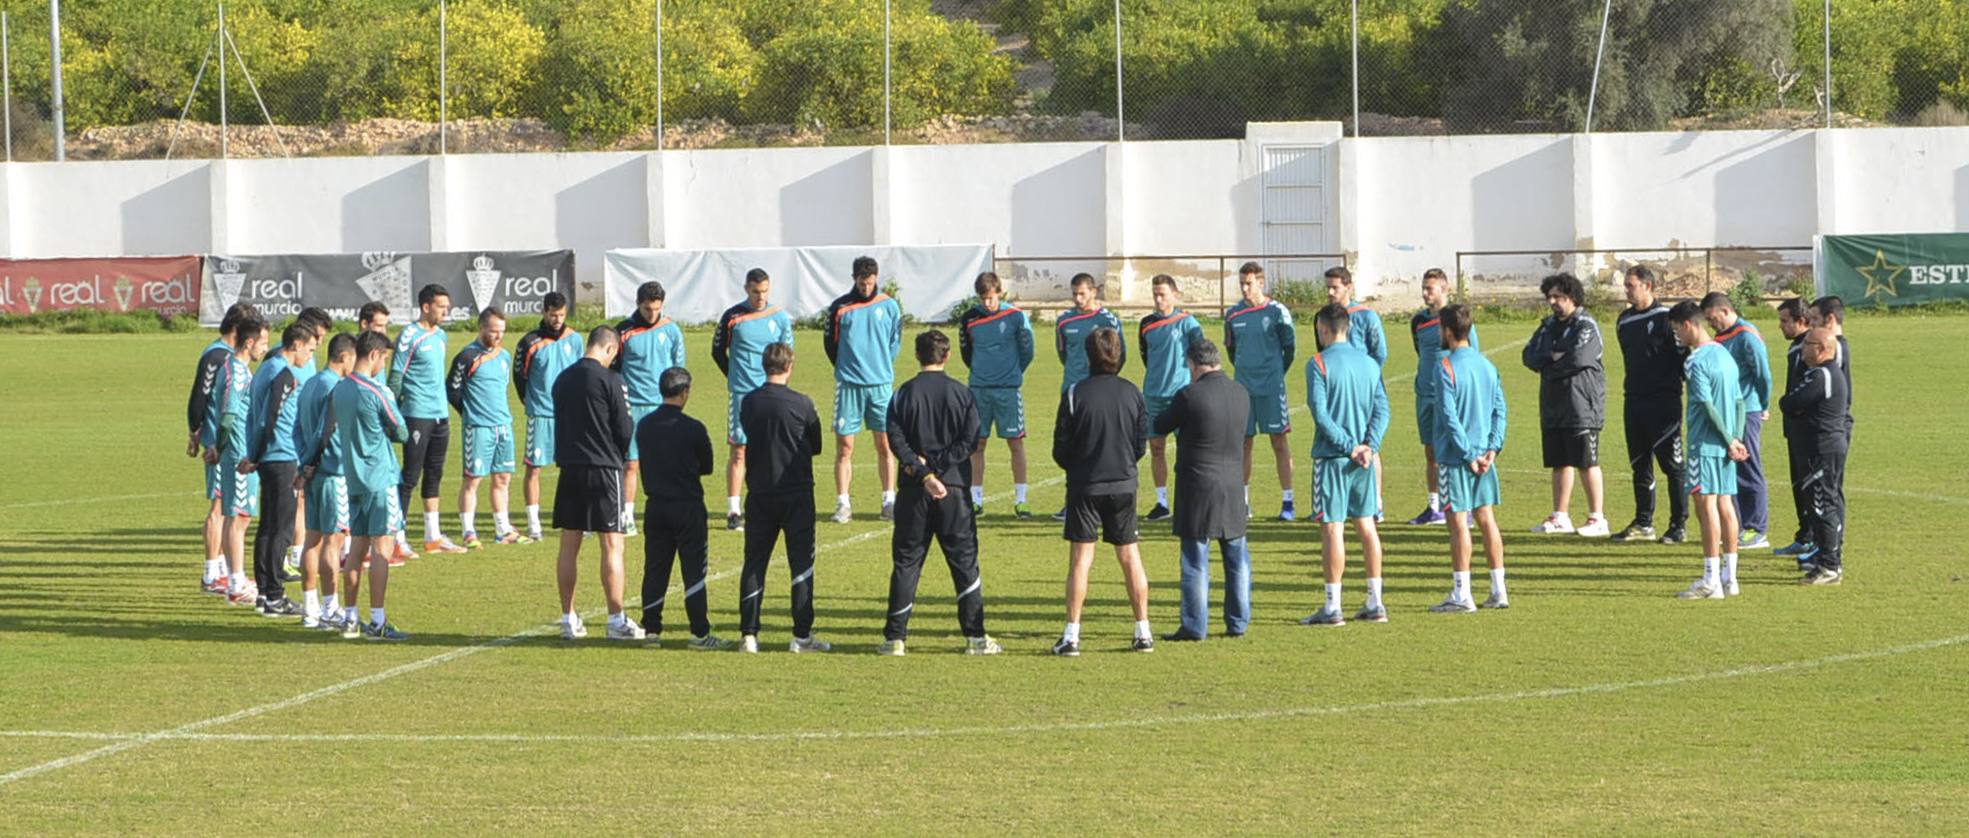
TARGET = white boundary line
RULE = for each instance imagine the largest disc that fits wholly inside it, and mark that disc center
(133, 739)
(35, 504)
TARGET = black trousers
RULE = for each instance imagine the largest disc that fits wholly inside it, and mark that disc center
(276, 532)
(766, 516)
(1825, 482)
(674, 533)
(1801, 493)
(1654, 436)
(918, 519)
(423, 456)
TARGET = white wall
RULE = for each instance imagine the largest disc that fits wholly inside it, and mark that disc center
(1886, 179)
(327, 205)
(1029, 199)
(1741, 188)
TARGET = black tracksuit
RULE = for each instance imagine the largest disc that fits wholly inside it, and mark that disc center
(674, 517)
(1795, 447)
(1816, 410)
(278, 506)
(783, 436)
(933, 428)
(1653, 409)
(1099, 433)
(591, 434)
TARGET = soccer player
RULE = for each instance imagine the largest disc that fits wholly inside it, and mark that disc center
(1425, 329)
(995, 338)
(1653, 391)
(738, 347)
(542, 356)
(1070, 333)
(1746, 346)
(1164, 336)
(933, 428)
(239, 489)
(202, 423)
(651, 344)
(325, 504)
(1258, 336)
(779, 472)
(1100, 433)
(1566, 353)
(862, 334)
(367, 425)
(1793, 323)
(1714, 423)
(270, 456)
(373, 317)
(674, 518)
(1368, 335)
(1470, 418)
(1208, 418)
(317, 319)
(591, 437)
(417, 379)
(1349, 404)
(476, 387)
(1818, 405)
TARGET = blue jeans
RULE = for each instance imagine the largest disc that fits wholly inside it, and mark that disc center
(1196, 585)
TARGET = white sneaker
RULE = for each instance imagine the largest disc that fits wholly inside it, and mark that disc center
(628, 630)
(888, 649)
(1454, 605)
(1496, 601)
(573, 629)
(842, 514)
(802, 645)
(982, 646)
(1730, 588)
(310, 621)
(1554, 524)
(1702, 589)
(1596, 527)
(749, 644)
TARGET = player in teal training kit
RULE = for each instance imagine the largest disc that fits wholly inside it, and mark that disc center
(1164, 337)
(1467, 435)
(1425, 329)
(202, 430)
(1714, 425)
(862, 335)
(417, 379)
(738, 347)
(239, 494)
(1368, 334)
(325, 510)
(539, 359)
(366, 425)
(1259, 338)
(995, 338)
(651, 343)
(476, 387)
(1746, 346)
(1349, 404)
(1071, 330)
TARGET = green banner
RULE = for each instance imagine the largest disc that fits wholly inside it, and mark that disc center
(1896, 270)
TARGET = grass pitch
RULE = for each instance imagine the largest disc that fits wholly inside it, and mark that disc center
(128, 702)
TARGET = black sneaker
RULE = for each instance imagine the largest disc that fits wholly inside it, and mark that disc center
(1676, 534)
(1180, 636)
(1824, 576)
(1636, 531)
(1143, 644)
(1060, 515)
(734, 522)
(1066, 648)
(282, 607)
(1159, 513)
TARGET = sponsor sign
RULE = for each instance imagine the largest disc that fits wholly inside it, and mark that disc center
(341, 283)
(167, 285)
(1894, 270)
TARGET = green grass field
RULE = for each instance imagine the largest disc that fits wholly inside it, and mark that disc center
(1598, 703)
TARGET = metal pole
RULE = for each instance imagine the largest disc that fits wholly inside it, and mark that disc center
(7, 85)
(225, 150)
(444, 89)
(1593, 92)
(55, 77)
(1828, 63)
(887, 90)
(1120, 116)
(659, 75)
(1357, 67)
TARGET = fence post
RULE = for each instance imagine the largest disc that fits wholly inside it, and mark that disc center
(225, 150)
(1599, 54)
(1356, 27)
(1120, 116)
(1828, 63)
(55, 77)
(888, 89)
(1708, 270)
(7, 85)
(444, 78)
(659, 75)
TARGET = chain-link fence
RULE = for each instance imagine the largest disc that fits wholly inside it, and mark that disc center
(147, 78)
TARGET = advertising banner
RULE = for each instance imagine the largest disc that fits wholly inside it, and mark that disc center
(700, 284)
(168, 285)
(1894, 270)
(281, 285)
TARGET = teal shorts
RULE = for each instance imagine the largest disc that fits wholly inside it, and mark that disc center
(1464, 491)
(214, 487)
(489, 450)
(1342, 490)
(397, 521)
(1156, 407)
(1003, 408)
(636, 414)
(540, 441)
(734, 430)
(1711, 475)
(328, 504)
(239, 494)
(1269, 415)
(373, 515)
(1425, 419)
(858, 406)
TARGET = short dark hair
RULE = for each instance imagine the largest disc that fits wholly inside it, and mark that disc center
(865, 266)
(1455, 321)
(1687, 311)
(430, 293)
(1104, 351)
(604, 336)
(369, 343)
(296, 333)
(554, 301)
(1830, 306)
(1434, 273)
(234, 314)
(756, 276)
(1715, 300)
(250, 324)
(369, 311)
(932, 347)
(1084, 278)
(341, 344)
(777, 359)
(987, 281)
(1567, 285)
(1334, 316)
(318, 318)
(489, 314)
(1642, 273)
(1793, 308)
(649, 291)
(1163, 279)
(1250, 268)
(674, 382)
(1341, 273)
(1203, 353)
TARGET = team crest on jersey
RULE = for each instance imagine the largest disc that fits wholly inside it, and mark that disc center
(484, 277)
(230, 280)
(388, 280)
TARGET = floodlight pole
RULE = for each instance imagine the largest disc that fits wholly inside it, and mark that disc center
(55, 78)
(1828, 63)
(1356, 26)
(444, 89)
(7, 86)
(888, 91)
(1593, 92)
(659, 75)
(1120, 116)
(224, 148)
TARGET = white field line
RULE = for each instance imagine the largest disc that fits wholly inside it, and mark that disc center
(36, 504)
(133, 739)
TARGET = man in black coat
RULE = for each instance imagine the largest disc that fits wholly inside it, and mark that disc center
(782, 434)
(591, 434)
(674, 519)
(933, 428)
(1208, 418)
(1099, 433)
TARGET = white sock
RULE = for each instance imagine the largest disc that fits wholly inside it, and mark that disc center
(533, 517)
(1072, 633)
(215, 569)
(294, 554)
(1018, 493)
(1162, 496)
(1142, 630)
(331, 604)
(1374, 590)
(311, 603)
(571, 619)
(731, 504)
(403, 538)
(433, 528)
(616, 620)
(1333, 595)
(977, 494)
(840, 500)
(376, 616)
(349, 613)
(1435, 501)
(1286, 496)
(502, 522)
(1460, 584)
(237, 580)
(468, 521)
(1497, 583)
(888, 498)
(1729, 568)
(347, 545)
(1709, 569)
(629, 513)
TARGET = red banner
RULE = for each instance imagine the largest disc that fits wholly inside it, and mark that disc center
(168, 285)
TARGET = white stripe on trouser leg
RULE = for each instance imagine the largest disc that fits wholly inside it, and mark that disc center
(694, 589)
(975, 585)
(903, 610)
(659, 602)
(754, 595)
(804, 577)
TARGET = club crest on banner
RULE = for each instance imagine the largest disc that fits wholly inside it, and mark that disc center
(230, 281)
(484, 277)
(388, 280)
(31, 291)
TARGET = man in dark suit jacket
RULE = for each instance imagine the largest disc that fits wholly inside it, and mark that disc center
(1100, 433)
(1208, 418)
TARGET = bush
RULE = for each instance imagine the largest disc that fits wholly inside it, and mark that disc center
(1747, 296)
(830, 75)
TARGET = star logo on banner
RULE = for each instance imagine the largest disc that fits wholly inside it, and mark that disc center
(1876, 284)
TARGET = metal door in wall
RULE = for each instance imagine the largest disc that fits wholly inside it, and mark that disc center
(1294, 216)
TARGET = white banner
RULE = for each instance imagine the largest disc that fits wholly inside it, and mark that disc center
(700, 284)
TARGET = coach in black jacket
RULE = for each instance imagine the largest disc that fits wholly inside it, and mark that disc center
(1652, 407)
(782, 434)
(933, 428)
(591, 435)
(1100, 432)
(1566, 353)
(674, 526)
(1208, 418)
